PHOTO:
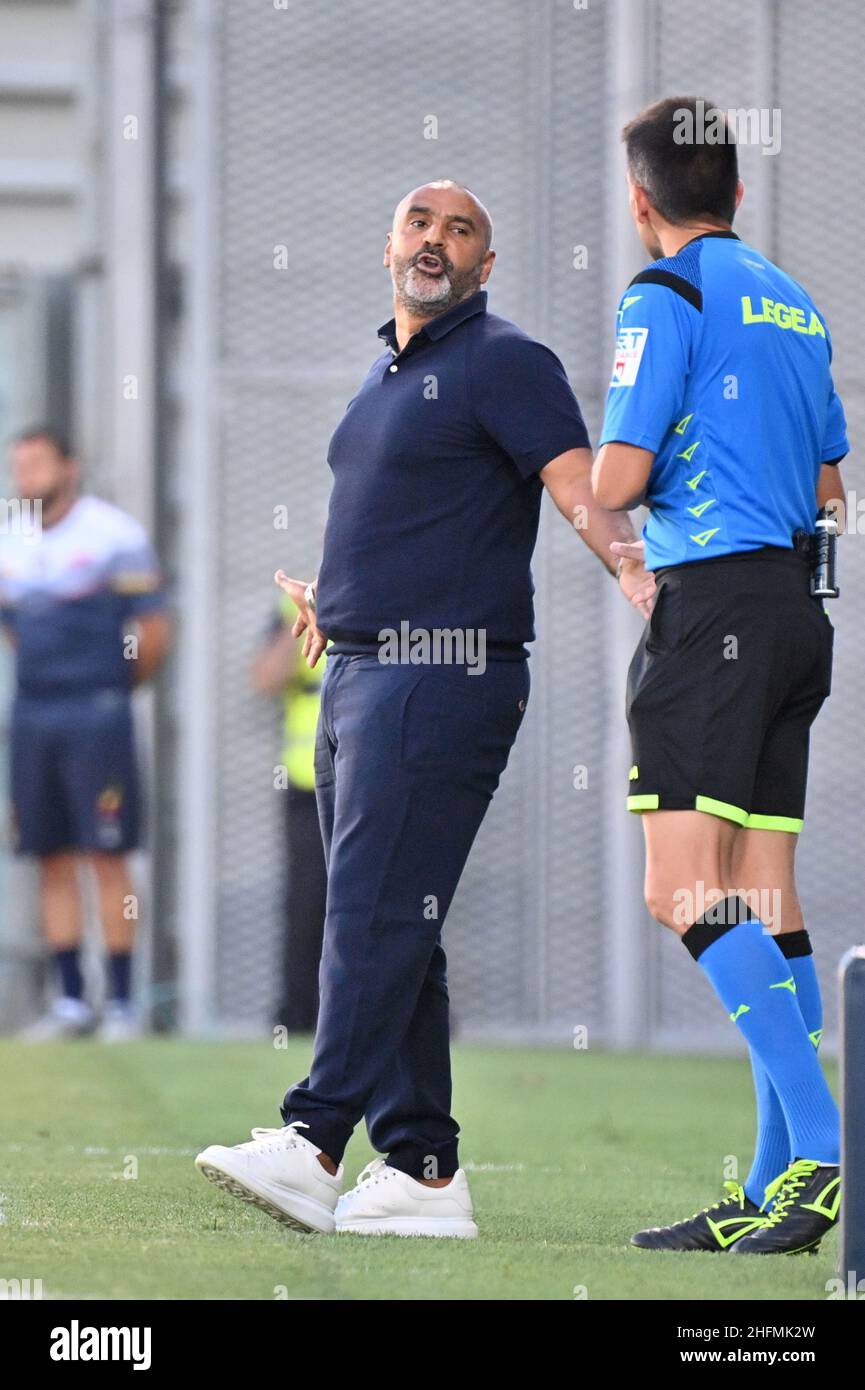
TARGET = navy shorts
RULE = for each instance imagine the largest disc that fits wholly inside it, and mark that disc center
(74, 774)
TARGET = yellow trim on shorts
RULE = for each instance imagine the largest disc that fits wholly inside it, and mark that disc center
(721, 808)
(749, 821)
(789, 823)
(643, 803)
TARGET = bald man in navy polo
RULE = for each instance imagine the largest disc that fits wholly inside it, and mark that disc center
(425, 592)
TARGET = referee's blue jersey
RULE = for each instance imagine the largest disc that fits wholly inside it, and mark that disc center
(722, 370)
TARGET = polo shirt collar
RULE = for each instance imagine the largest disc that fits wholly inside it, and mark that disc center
(442, 323)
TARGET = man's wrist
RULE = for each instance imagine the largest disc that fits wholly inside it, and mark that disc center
(309, 594)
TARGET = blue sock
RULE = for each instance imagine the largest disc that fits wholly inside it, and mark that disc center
(808, 992)
(69, 969)
(756, 985)
(120, 965)
(772, 1148)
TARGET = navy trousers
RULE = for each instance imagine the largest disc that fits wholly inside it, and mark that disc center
(407, 760)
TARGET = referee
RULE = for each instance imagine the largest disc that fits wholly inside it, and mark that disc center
(722, 418)
(439, 465)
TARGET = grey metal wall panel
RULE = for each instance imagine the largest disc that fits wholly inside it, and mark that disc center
(322, 130)
(570, 625)
(821, 166)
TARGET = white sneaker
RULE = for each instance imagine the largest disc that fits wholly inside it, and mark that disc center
(66, 1018)
(279, 1171)
(389, 1202)
(120, 1023)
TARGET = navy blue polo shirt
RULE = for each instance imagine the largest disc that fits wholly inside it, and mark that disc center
(436, 497)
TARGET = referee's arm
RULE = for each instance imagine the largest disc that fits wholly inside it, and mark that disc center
(620, 475)
(830, 489)
(646, 392)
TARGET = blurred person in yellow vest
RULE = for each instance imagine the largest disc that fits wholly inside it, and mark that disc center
(280, 671)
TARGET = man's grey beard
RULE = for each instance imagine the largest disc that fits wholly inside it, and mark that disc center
(421, 293)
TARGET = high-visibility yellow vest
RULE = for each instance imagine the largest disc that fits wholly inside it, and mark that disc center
(301, 701)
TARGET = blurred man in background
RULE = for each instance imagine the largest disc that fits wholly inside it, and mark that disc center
(81, 601)
(279, 670)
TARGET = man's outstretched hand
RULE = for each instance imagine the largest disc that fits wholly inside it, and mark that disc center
(315, 641)
(635, 581)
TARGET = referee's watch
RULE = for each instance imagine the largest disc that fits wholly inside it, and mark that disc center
(309, 595)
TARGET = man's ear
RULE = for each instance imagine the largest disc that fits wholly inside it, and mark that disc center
(640, 203)
(387, 246)
(487, 266)
(740, 193)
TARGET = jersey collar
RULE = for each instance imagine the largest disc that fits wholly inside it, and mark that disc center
(702, 236)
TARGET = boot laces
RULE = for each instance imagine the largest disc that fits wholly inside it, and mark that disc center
(786, 1188)
(735, 1195)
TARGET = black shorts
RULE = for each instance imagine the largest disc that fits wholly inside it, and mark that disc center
(733, 666)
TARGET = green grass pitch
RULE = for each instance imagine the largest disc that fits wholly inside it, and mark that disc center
(567, 1153)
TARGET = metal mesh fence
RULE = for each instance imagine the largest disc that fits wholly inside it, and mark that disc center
(324, 114)
(315, 151)
(822, 152)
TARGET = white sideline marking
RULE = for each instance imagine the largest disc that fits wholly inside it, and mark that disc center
(146, 1150)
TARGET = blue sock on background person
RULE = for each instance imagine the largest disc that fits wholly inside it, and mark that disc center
(756, 985)
(68, 964)
(772, 1148)
(120, 976)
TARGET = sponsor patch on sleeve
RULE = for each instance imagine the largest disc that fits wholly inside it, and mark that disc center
(630, 343)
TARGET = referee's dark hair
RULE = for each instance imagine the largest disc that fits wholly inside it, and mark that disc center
(48, 432)
(684, 177)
